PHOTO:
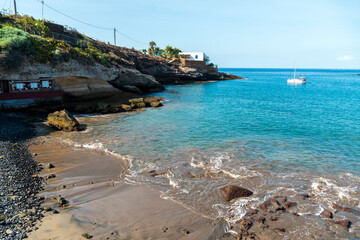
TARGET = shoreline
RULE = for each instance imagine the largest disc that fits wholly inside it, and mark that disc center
(98, 203)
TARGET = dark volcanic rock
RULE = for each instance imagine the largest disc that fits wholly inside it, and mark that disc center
(346, 209)
(86, 235)
(17, 190)
(326, 213)
(61, 201)
(231, 191)
(345, 223)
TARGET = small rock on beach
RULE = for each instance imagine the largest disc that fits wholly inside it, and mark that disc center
(231, 192)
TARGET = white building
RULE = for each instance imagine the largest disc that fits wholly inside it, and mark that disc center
(194, 56)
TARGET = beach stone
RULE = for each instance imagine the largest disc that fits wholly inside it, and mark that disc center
(86, 235)
(2, 217)
(50, 165)
(280, 230)
(149, 100)
(138, 105)
(231, 191)
(51, 176)
(47, 209)
(9, 232)
(346, 209)
(61, 201)
(326, 213)
(156, 104)
(126, 107)
(345, 223)
(136, 100)
(63, 120)
(186, 232)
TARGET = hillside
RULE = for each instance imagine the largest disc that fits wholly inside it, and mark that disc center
(82, 66)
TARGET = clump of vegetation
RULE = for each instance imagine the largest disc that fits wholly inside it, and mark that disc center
(169, 52)
(17, 44)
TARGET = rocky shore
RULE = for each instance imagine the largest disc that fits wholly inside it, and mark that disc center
(19, 183)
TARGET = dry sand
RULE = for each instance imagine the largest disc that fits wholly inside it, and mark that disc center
(101, 204)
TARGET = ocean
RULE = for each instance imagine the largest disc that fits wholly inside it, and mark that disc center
(258, 132)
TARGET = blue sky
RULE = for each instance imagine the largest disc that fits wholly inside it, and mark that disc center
(234, 33)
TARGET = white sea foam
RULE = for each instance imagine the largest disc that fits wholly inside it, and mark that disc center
(175, 184)
(329, 191)
(219, 164)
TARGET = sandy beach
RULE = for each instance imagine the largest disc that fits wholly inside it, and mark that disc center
(102, 205)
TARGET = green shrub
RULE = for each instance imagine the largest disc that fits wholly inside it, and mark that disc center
(10, 59)
(40, 50)
(35, 25)
(13, 38)
(56, 56)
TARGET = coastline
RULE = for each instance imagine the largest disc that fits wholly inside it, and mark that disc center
(104, 206)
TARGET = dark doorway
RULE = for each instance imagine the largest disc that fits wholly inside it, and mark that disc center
(5, 86)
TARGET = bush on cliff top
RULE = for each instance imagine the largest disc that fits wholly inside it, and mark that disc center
(15, 42)
(13, 38)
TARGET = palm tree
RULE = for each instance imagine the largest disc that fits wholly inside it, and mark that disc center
(152, 45)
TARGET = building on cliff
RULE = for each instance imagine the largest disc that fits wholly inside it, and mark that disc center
(196, 60)
(26, 93)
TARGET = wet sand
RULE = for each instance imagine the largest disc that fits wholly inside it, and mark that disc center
(102, 205)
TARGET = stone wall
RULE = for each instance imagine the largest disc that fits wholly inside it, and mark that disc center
(197, 64)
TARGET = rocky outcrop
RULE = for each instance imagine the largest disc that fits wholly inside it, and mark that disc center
(144, 82)
(80, 80)
(163, 70)
(231, 192)
(63, 120)
(85, 87)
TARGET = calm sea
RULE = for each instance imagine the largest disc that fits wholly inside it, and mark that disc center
(258, 132)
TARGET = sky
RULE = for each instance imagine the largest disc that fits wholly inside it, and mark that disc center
(233, 33)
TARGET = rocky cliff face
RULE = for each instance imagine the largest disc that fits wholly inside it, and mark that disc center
(129, 71)
(77, 80)
(163, 70)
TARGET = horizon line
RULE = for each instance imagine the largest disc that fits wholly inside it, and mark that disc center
(291, 68)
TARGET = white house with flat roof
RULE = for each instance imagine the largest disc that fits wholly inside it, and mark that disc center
(194, 56)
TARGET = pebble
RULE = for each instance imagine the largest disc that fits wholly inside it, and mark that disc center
(16, 168)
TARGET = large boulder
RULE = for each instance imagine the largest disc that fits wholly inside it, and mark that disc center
(63, 120)
(231, 192)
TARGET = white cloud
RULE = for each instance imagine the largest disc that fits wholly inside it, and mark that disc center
(345, 58)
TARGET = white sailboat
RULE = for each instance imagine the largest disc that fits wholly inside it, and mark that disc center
(295, 80)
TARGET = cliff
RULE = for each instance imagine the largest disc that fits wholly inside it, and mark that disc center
(86, 67)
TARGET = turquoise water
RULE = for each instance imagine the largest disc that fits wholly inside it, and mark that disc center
(315, 126)
(258, 132)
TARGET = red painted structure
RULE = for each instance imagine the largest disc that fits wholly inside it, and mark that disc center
(29, 89)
